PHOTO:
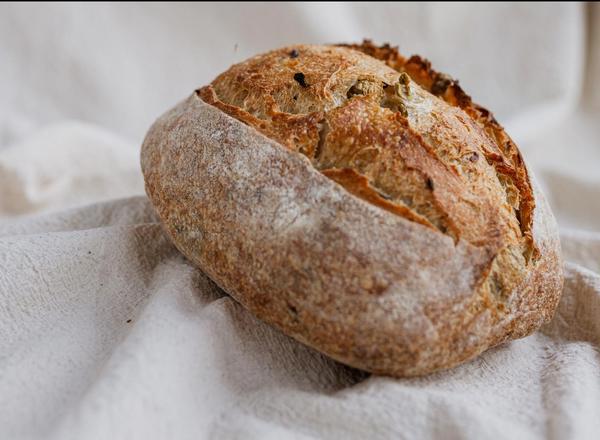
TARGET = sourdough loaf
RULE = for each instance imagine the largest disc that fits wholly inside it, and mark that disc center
(360, 202)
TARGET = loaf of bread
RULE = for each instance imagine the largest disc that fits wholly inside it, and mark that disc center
(361, 203)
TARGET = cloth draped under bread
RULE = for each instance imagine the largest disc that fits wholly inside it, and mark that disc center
(106, 331)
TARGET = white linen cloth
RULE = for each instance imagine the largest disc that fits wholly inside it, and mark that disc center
(106, 331)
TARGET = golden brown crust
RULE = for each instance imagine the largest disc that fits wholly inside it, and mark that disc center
(264, 93)
(401, 240)
(504, 154)
(358, 185)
